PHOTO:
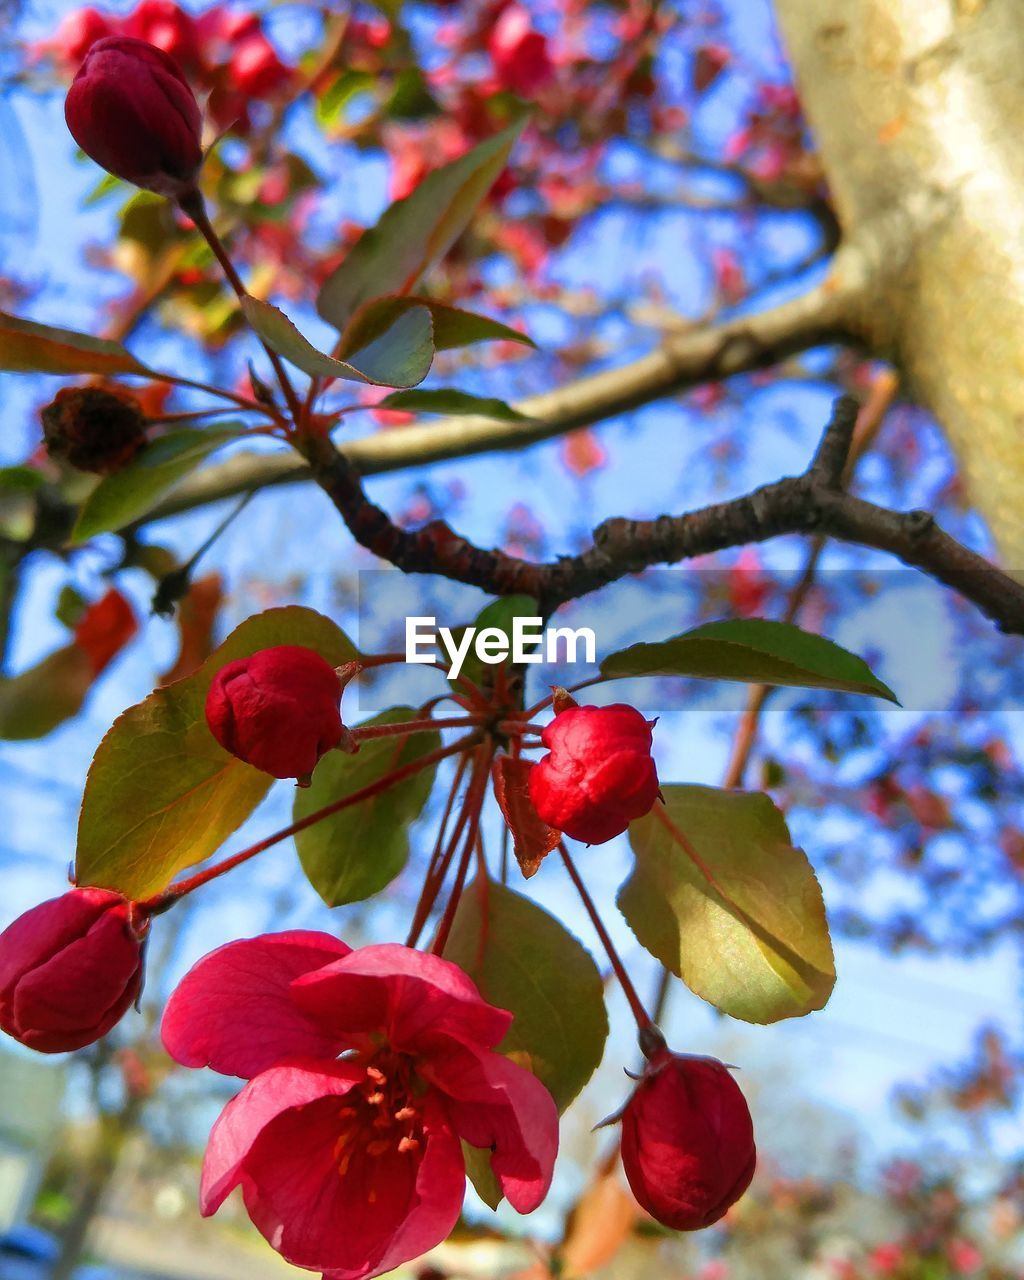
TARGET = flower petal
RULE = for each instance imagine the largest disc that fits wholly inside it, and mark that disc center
(304, 1088)
(409, 995)
(497, 1104)
(312, 1186)
(436, 1203)
(233, 1011)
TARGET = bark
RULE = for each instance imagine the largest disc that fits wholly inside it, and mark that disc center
(916, 110)
(815, 502)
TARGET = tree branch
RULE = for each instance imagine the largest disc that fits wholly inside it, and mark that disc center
(682, 361)
(811, 503)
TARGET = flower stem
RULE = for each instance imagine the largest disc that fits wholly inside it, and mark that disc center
(441, 857)
(537, 707)
(161, 901)
(364, 732)
(193, 204)
(641, 1015)
(473, 807)
(243, 402)
(519, 727)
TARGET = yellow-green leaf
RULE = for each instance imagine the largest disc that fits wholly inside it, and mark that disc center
(722, 898)
(416, 231)
(452, 326)
(526, 961)
(34, 702)
(28, 347)
(162, 465)
(399, 357)
(448, 400)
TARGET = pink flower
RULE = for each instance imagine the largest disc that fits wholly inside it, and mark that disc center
(353, 1164)
(519, 52)
(964, 1256)
(167, 26)
(255, 68)
(887, 1259)
(77, 33)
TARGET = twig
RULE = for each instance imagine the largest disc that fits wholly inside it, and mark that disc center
(867, 425)
(811, 503)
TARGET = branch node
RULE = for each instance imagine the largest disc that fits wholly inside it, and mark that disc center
(918, 523)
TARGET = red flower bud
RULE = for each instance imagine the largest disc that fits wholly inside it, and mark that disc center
(131, 109)
(94, 429)
(278, 709)
(69, 970)
(687, 1141)
(598, 775)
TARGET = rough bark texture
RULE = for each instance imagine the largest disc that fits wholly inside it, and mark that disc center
(916, 107)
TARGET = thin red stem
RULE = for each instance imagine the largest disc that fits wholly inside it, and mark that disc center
(193, 205)
(243, 402)
(643, 1019)
(544, 703)
(440, 858)
(519, 727)
(163, 900)
(364, 732)
(474, 807)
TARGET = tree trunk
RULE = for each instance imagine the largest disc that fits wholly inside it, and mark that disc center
(917, 108)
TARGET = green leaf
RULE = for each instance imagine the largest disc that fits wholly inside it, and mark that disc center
(415, 232)
(452, 327)
(722, 898)
(27, 347)
(480, 1173)
(356, 852)
(71, 606)
(448, 400)
(35, 702)
(411, 98)
(400, 357)
(331, 104)
(526, 961)
(501, 614)
(751, 649)
(106, 186)
(21, 479)
(127, 495)
(161, 794)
